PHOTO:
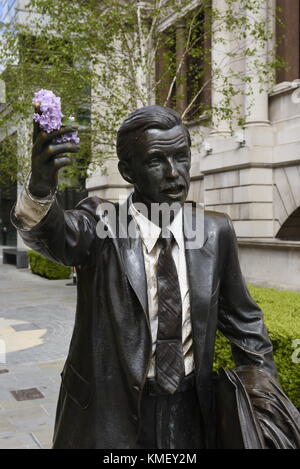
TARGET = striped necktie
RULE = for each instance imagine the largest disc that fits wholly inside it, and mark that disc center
(169, 354)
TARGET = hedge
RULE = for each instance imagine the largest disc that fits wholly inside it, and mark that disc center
(45, 268)
(282, 319)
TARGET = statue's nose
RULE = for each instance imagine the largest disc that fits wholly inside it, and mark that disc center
(171, 168)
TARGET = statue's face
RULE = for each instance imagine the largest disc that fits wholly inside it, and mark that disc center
(161, 165)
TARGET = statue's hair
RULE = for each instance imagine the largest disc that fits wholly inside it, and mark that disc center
(149, 117)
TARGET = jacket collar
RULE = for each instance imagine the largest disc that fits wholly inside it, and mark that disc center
(150, 232)
(197, 254)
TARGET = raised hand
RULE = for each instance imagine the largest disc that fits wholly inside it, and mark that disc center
(48, 157)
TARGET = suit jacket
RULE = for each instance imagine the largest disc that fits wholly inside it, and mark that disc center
(109, 355)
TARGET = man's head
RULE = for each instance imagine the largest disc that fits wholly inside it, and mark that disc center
(153, 147)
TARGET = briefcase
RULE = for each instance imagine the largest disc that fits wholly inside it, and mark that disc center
(252, 412)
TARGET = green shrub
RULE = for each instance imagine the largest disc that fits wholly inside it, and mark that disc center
(282, 318)
(45, 268)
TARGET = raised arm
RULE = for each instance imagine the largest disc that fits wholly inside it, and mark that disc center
(63, 236)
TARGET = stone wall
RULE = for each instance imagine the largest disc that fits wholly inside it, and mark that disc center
(256, 183)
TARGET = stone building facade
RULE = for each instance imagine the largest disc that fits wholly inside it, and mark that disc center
(255, 181)
(256, 178)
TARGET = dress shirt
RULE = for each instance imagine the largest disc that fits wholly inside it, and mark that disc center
(150, 233)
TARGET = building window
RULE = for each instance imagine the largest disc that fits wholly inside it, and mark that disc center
(183, 68)
(288, 39)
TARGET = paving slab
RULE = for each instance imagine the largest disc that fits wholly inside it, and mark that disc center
(43, 437)
(36, 323)
(19, 441)
(6, 426)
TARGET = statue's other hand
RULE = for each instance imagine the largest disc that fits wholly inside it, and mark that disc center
(48, 157)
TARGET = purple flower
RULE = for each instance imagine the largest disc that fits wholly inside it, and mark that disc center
(73, 138)
(50, 117)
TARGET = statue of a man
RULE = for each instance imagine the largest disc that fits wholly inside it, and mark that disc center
(139, 368)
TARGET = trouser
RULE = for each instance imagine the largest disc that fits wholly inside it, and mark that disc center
(171, 421)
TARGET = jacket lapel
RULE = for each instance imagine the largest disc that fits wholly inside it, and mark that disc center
(125, 236)
(133, 259)
(200, 274)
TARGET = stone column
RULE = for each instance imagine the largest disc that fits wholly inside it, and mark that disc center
(256, 94)
(162, 71)
(219, 51)
(181, 61)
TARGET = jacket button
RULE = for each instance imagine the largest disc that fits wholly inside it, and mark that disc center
(136, 388)
(134, 417)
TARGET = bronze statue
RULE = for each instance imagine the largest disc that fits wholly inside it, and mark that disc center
(139, 368)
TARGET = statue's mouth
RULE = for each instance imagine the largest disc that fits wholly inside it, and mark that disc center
(174, 191)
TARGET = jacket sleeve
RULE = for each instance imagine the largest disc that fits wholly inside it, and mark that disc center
(240, 319)
(64, 236)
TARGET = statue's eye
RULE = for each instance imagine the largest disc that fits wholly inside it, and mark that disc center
(153, 162)
(182, 157)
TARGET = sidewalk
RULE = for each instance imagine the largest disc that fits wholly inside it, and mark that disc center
(36, 322)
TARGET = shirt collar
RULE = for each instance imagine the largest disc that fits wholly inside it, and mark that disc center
(150, 232)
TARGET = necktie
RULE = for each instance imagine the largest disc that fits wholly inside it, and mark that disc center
(169, 353)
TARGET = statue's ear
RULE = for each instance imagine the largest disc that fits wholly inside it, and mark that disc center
(126, 171)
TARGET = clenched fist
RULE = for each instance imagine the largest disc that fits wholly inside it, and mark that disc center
(48, 157)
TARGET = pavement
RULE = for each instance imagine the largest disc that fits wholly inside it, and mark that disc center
(36, 322)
